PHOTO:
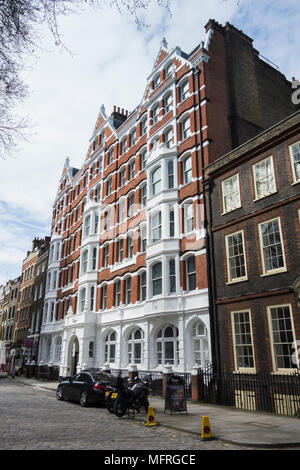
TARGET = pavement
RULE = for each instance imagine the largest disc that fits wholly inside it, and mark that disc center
(230, 425)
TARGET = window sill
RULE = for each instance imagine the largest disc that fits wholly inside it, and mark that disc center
(242, 279)
(264, 196)
(276, 271)
(295, 182)
(247, 370)
(284, 371)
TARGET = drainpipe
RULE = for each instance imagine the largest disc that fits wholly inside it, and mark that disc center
(206, 188)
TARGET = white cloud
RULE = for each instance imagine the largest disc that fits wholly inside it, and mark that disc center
(110, 64)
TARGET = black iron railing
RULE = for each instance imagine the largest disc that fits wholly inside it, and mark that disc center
(272, 393)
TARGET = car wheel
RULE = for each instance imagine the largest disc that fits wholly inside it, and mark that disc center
(59, 393)
(83, 398)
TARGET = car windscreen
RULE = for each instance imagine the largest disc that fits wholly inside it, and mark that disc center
(101, 377)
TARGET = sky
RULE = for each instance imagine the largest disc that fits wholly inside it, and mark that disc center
(109, 63)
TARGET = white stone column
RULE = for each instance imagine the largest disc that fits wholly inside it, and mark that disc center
(181, 339)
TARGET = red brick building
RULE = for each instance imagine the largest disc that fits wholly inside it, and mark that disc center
(26, 296)
(128, 279)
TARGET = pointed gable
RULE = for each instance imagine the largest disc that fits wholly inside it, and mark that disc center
(162, 53)
(66, 166)
(100, 119)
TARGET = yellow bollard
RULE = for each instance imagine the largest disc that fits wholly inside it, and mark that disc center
(206, 430)
(151, 418)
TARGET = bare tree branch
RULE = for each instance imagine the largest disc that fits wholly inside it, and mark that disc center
(19, 20)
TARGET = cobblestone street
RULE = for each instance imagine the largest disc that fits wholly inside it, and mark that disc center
(32, 419)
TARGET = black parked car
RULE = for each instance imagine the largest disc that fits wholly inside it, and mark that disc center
(86, 387)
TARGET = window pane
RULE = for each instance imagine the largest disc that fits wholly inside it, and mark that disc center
(236, 257)
(283, 338)
(231, 193)
(264, 178)
(272, 247)
(243, 342)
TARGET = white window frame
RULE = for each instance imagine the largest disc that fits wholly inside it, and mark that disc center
(293, 164)
(156, 81)
(157, 227)
(157, 182)
(144, 196)
(82, 299)
(270, 175)
(170, 174)
(131, 343)
(235, 193)
(168, 102)
(235, 345)
(128, 290)
(186, 131)
(144, 126)
(184, 90)
(87, 225)
(117, 293)
(107, 345)
(133, 137)
(295, 356)
(269, 272)
(203, 340)
(192, 273)
(84, 261)
(189, 218)
(156, 110)
(232, 280)
(143, 287)
(131, 170)
(130, 205)
(123, 176)
(122, 211)
(169, 138)
(158, 280)
(187, 172)
(162, 340)
(130, 250)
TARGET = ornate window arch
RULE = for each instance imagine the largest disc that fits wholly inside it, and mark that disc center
(200, 344)
(167, 345)
(110, 347)
(135, 346)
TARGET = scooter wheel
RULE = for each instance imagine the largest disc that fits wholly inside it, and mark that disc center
(109, 405)
(120, 408)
